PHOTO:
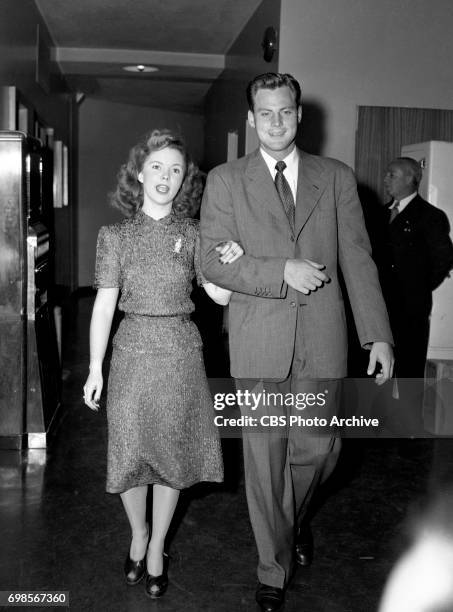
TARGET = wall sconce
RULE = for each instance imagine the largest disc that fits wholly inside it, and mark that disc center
(269, 43)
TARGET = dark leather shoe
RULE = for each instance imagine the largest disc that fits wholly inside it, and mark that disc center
(155, 586)
(269, 598)
(304, 546)
(134, 570)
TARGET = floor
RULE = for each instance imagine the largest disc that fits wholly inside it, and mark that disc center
(61, 531)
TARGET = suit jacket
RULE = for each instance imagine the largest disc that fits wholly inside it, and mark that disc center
(414, 257)
(241, 203)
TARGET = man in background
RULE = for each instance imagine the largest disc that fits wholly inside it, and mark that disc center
(414, 255)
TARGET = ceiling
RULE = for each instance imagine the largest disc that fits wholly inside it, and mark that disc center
(186, 39)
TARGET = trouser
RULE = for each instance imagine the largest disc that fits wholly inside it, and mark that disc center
(284, 463)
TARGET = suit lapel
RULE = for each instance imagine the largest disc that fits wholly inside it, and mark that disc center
(261, 187)
(411, 210)
(310, 186)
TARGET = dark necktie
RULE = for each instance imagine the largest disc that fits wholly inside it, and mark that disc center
(394, 211)
(285, 193)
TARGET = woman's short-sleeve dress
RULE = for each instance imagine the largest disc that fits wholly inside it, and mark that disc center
(159, 408)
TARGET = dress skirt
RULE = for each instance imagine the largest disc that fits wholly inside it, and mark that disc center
(159, 408)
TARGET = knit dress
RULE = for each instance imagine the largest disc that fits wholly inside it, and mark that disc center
(159, 408)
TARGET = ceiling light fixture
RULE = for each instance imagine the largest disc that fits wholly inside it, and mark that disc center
(140, 68)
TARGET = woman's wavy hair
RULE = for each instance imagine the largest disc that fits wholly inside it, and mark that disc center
(128, 195)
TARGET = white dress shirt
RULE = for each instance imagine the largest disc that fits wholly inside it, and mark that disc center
(404, 202)
(291, 171)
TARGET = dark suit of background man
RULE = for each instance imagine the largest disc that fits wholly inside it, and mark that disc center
(414, 255)
(287, 321)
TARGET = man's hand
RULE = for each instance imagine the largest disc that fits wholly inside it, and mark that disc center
(381, 352)
(229, 251)
(304, 275)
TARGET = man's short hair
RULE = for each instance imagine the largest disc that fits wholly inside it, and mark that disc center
(411, 166)
(272, 80)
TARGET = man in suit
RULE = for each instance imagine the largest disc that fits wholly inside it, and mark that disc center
(414, 255)
(298, 222)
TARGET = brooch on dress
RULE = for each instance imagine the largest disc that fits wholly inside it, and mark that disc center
(178, 245)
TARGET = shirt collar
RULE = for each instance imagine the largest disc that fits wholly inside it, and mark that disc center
(291, 161)
(404, 201)
(143, 219)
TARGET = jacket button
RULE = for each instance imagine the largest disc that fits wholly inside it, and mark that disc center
(292, 238)
(293, 304)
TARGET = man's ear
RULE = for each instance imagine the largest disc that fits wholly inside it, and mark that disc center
(299, 113)
(140, 177)
(251, 119)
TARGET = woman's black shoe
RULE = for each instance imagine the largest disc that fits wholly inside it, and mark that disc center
(134, 570)
(155, 586)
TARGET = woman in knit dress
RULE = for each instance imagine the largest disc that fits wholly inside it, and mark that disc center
(159, 408)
